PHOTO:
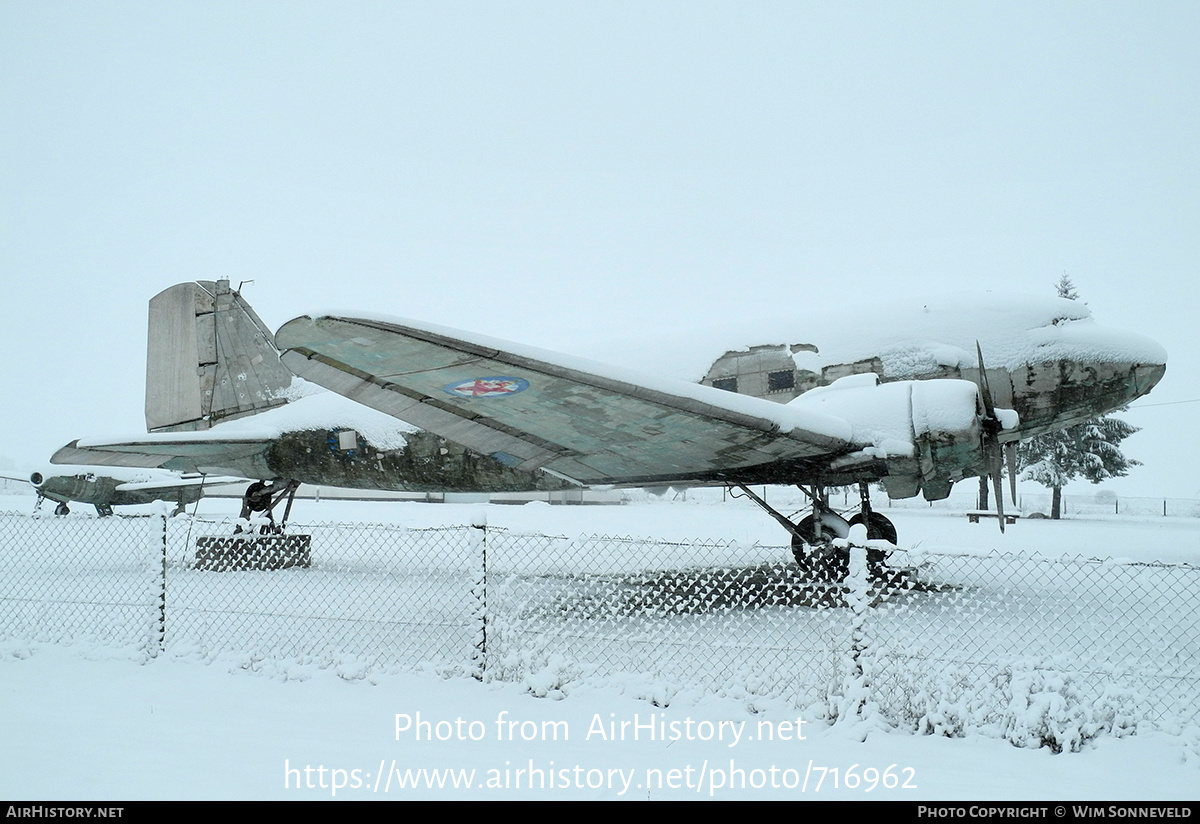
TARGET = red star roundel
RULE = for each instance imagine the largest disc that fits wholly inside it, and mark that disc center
(486, 387)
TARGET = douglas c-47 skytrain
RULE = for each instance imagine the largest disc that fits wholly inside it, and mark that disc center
(915, 399)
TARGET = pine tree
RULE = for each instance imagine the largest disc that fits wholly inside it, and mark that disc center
(1090, 450)
(1066, 289)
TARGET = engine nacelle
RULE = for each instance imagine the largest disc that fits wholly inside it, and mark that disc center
(916, 436)
(947, 437)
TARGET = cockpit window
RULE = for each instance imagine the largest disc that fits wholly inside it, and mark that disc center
(781, 381)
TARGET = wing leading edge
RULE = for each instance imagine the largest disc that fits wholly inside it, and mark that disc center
(534, 409)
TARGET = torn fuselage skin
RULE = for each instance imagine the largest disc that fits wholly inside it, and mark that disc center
(1046, 396)
(425, 463)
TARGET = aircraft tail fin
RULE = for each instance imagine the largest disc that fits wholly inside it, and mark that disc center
(209, 358)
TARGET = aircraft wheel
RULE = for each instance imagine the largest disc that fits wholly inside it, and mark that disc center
(103, 510)
(879, 528)
(62, 509)
(813, 554)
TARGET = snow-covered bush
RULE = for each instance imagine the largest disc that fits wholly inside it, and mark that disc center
(1051, 707)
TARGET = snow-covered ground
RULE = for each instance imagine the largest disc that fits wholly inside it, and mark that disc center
(90, 722)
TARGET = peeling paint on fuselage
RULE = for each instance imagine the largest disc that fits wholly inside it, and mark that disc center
(426, 463)
(1046, 396)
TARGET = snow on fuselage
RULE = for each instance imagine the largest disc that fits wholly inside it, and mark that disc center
(1045, 358)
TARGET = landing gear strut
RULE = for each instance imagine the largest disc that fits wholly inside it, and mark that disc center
(813, 537)
(264, 496)
(264, 548)
(879, 528)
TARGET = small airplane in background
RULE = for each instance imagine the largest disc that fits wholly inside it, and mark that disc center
(916, 400)
(115, 487)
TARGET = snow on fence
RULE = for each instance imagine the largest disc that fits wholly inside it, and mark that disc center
(963, 498)
(1043, 652)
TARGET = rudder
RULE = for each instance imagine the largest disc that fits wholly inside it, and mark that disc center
(209, 359)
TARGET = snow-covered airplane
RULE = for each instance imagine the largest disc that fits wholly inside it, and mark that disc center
(115, 486)
(930, 401)
(915, 399)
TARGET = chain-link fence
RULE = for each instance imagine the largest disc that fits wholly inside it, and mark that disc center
(69, 579)
(382, 596)
(1040, 651)
(963, 498)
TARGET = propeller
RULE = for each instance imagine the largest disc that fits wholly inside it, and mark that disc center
(991, 441)
(1010, 457)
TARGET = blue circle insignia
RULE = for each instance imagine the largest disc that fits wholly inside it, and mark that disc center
(486, 387)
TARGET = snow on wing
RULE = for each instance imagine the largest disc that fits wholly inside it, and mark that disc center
(536, 409)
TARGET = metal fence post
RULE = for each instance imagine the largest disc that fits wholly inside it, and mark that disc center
(161, 629)
(479, 555)
(855, 690)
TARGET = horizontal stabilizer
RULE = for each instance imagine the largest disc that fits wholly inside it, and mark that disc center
(240, 457)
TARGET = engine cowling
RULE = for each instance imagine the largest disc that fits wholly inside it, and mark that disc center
(916, 436)
(948, 435)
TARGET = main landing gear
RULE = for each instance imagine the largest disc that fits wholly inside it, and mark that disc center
(813, 538)
(265, 547)
(264, 496)
(61, 509)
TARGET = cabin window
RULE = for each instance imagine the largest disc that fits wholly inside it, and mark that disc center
(781, 381)
(728, 384)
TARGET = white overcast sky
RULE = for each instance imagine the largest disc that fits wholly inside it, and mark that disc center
(548, 172)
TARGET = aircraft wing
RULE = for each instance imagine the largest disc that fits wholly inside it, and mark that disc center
(181, 452)
(530, 408)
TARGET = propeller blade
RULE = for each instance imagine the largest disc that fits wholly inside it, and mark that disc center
(984, 388)
(1010, 454)
(991, 438)
(998, 491)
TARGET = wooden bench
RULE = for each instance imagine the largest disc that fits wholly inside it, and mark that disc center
(974, 515)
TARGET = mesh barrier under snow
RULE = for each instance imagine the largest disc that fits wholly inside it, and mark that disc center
(382, 595)
(1041, 651)
(70, 579)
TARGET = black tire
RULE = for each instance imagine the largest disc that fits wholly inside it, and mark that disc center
(879, 528)
(812, 552)
(826, 563)
(62, 509)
